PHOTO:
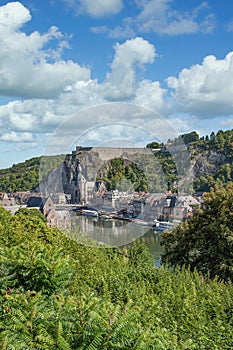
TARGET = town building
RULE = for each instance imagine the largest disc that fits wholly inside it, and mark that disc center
(55, 218)
(6, 200)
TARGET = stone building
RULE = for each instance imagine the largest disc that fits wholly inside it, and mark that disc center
(82, 189)
(55, 218)
(86, 164)
(6, 201)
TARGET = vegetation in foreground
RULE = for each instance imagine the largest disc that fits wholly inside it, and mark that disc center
(205, 242)
(58, 294)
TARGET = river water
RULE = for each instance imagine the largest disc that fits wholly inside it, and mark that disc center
(120, 233)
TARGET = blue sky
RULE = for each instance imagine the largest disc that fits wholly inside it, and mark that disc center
(60, 58)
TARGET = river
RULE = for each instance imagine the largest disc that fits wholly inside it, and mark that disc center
(120, 233)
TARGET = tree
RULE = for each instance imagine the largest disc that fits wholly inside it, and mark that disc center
(153, 145)
(31, 213)
(206, 241)
(190, 137)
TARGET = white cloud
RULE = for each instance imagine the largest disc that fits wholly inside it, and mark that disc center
(206, 89)
(121, 82)
(99, 29)
(17, 137)
(109, 122)
(150, 94)
(39, 72)
(227, 122)
(161, 17)
(13, 15)
(96, 8)
(66, 85)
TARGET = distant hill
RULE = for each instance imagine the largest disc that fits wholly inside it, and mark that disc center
(211, 162)
(25, 176)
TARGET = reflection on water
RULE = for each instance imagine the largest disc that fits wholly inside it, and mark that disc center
(120, 233)
(152, 241)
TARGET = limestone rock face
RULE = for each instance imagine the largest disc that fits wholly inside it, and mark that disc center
(207, 163)
(81, 168)
(77, 175)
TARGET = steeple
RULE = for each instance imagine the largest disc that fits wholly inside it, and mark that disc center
(79, 170)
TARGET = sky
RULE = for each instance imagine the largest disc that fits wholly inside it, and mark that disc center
(111, 71)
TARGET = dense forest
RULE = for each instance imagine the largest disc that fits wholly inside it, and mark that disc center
(211, 160)
(122, 177)
(58, 294)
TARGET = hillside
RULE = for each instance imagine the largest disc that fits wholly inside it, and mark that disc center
(25, 176)
(58, 294)
(211, 162)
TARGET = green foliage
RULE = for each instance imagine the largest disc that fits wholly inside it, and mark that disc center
(25, 176)
(34, 267)
(124, 177)
(222, 144)
(57, 294)
(190, 137)
(142, 175)
(219, 172)
(205, 242)
(31, 212)
(169, 169)
(154, 145)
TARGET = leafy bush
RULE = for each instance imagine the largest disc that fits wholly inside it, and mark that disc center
(57, 294)
(205, 242)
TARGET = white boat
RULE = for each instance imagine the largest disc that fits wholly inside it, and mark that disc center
(106, 217)
(141, 222)
(89, 212)
(163, 225)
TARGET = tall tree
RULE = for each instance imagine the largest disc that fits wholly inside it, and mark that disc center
(206, 241)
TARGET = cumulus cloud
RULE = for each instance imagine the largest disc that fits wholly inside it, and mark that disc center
(97, 8)
(227, 122)
(150, 94)
(39, 72)
(120, 83)
(205, 89)
(161, 17)
(13, 15)
(109, 123)
(17, 137)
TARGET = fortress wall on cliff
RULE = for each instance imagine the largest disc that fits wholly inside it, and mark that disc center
(107, 153)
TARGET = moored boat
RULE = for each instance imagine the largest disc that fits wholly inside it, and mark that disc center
(163, 225)
(89, 212)
(141, 222)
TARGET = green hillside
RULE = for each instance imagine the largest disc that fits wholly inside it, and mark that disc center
(211, 159)
(211, 162)
(25, 176)
(58, 294)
